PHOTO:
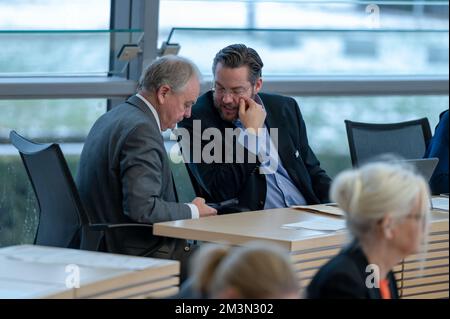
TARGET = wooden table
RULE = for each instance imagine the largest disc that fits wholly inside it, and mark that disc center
(47, 272)
(310, 249)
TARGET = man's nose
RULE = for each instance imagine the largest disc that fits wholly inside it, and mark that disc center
(227, 98)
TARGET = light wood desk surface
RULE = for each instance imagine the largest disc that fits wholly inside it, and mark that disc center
(29, 271)
(237, 229)
(310, 249)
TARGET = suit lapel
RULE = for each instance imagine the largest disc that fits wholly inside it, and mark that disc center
(273, 121)
(137, 102)
(287, 151)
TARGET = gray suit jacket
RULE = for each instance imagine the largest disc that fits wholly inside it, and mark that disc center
(124, 174)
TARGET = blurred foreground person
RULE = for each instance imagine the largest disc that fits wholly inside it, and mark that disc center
(386, 207)
(256, 271)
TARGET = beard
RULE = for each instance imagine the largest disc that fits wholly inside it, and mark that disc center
(229, 111)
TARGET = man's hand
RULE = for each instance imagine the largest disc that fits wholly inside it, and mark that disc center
(251, 114)
(203, 209)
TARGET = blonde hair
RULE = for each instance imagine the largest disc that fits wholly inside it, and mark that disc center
(258, 270)
(370, 192)
(205, 263)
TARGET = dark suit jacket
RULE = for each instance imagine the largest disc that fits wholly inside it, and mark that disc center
(439, 147)
(344, 276)
(223, 181)
(124, 173)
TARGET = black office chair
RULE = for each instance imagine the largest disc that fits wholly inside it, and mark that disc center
(406, 139)
(63, 222)
(60, 211)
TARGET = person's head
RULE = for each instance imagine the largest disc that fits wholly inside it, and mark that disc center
(172, 84)
(204, 264)
(237, 72)
(384, 203)
(258, 270)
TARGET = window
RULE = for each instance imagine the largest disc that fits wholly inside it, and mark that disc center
(62, 121)
(324, 118)
(50, 120)
(303, 42)
(42, 38)
(306, 38)
(62, 35)
(308, 43)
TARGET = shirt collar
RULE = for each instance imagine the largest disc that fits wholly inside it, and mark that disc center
(151, 107)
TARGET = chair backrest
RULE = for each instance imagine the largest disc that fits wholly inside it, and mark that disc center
(407, 139)
(61, 213)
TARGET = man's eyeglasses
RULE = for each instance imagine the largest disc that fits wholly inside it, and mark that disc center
(236, 92)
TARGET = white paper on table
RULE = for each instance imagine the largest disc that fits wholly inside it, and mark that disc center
(440, 203)
(318, 224)
(54, 255)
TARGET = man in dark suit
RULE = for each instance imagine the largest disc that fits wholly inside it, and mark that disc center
(254, 146)
(124, 173)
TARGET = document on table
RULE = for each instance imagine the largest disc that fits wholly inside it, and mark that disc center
(323, 224)
(54, 255)
(440, 203)
(331, 209)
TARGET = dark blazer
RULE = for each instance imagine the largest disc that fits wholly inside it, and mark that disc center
(223, 181)
(344, 276)
(439, 147)
(124, 174)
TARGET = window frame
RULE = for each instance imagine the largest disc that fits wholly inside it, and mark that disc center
(144, 15)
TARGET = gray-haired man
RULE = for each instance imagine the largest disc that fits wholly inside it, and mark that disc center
(124, 174)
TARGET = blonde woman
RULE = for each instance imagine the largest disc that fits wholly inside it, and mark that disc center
(386, 207)
(259, 270)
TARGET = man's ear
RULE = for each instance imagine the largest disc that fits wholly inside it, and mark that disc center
(387, 226)
(258, 85)
(161, 93)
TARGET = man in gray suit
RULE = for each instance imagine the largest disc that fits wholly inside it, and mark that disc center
(124, 174)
